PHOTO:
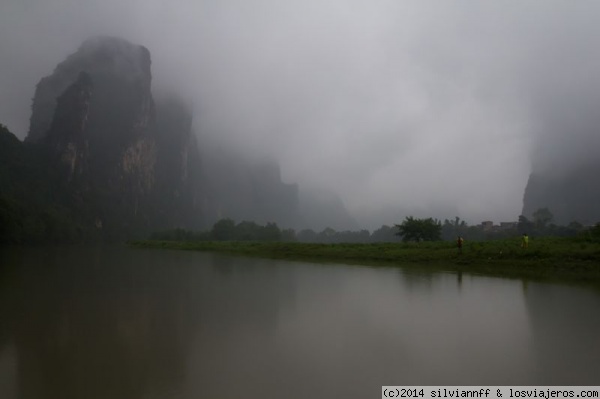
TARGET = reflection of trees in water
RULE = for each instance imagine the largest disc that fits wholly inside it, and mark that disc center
(120, 323)
(98, 327)
(9, 261)
(417, 280)
(77, 335)
(565, 325)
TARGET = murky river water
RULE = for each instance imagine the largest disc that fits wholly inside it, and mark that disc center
(128, 323)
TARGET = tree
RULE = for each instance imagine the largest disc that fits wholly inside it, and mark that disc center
(594, 232)
(542, 217)
(327, 235)
(223, 230)
(270, 232)
(412, 229)
(288, 235)
(247, 231)
(384, 234)
(453, 228)
(307, 235)
(524, 225)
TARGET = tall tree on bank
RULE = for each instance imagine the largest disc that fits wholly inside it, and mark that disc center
(542, 217)
(412, 229)
(453, 228)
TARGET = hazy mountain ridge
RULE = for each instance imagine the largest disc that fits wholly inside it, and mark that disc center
(570, 196)
(246, 189)
(120, 165)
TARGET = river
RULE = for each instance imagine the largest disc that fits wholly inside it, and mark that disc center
(133, 323)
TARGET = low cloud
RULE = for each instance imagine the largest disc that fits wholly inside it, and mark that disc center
(399, 107)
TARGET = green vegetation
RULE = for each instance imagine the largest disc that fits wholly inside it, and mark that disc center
(564, 259)
(32, 206)
(37, 205)
(227, 230)
(412, 229)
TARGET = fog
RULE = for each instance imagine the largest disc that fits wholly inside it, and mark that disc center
(400, 107)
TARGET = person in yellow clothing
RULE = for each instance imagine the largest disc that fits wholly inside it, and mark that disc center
(525, 241)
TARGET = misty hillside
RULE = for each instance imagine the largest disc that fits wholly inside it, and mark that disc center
(244, 188)
(119, 164)
(570, 196)
(398, 108)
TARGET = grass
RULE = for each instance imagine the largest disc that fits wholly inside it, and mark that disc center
(559, 259)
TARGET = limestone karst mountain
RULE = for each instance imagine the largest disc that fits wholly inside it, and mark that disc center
(112, 161)
(571, 195)
(124, 161)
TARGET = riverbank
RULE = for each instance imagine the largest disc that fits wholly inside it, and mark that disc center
(564, 259)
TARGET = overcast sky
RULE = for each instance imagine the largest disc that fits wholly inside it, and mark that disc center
(434, 108)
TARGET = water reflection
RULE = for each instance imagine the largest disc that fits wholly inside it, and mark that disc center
(566, 324)
(123, 323)
(97, 327)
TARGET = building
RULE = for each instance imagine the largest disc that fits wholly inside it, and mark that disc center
(487, 225)
(508, 225)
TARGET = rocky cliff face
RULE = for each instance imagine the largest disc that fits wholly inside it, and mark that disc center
(569, 195)
(96, 114)
(67, 135)
(114, 161)
(130, 165)
(121, 73)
